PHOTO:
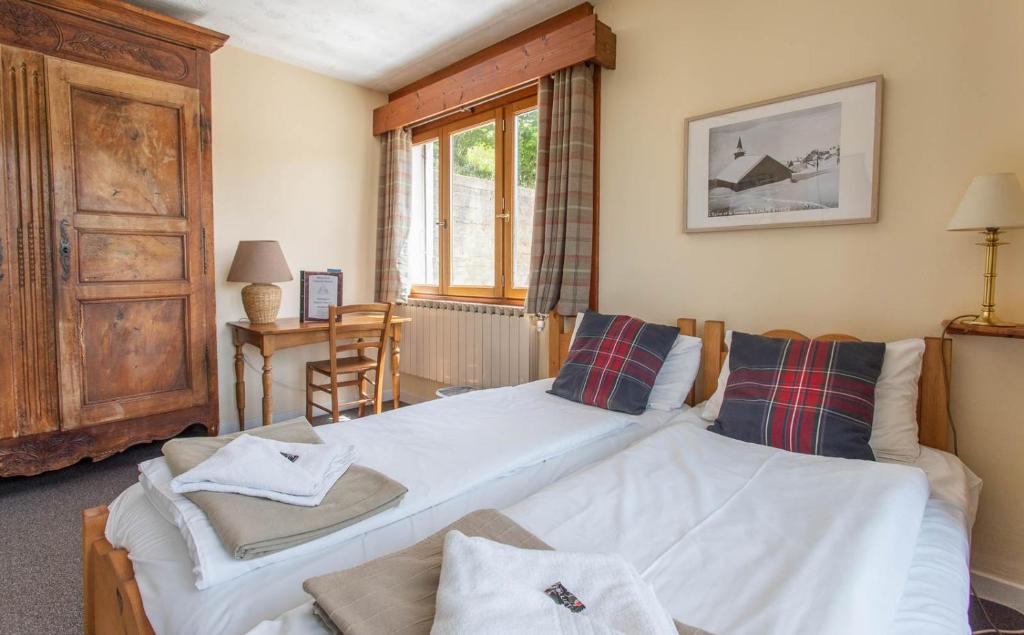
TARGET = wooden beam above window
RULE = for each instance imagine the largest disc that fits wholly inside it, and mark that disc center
(585, 39)
(509, 43)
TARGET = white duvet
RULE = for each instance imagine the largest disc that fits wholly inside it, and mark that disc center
(438, 450)
(740, 538)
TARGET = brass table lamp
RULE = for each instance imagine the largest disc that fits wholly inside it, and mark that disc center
(260, 262)
(993, 202)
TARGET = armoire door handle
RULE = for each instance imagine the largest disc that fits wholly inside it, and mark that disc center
(65, 250)
(1, 262)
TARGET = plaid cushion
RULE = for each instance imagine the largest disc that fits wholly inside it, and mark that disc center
(808, 396)
(613, 362)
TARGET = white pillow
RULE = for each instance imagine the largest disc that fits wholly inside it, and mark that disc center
(894, 429)
(677, 374)
(575, 327)
(894, 426)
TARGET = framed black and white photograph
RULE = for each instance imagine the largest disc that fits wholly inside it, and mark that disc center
(804, 159)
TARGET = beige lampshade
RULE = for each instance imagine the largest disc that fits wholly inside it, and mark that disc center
(259, 261)
(993, 200)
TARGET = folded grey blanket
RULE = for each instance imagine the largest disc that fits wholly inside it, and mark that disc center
(395, 594)
(251, 527)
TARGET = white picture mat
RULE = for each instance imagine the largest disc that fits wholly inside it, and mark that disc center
(856, 169)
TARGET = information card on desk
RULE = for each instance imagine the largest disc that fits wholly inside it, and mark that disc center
(323, 292)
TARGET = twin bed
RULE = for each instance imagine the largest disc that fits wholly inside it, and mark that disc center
(734, 537)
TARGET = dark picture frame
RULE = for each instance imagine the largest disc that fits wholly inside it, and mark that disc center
(315, 294)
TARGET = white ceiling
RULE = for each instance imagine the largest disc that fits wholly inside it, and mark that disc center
(381, 44)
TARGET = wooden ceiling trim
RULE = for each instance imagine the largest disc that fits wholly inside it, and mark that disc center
(509, 43)
(585, 39)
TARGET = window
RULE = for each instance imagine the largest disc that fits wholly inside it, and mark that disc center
(425, 258)
(473, 182)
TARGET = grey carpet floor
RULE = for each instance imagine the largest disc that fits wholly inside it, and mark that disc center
(40, 530)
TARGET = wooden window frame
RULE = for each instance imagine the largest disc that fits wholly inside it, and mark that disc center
(502, 111)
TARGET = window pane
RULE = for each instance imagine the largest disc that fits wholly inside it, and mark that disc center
(424, 249)
(526, 185)
(472, 206)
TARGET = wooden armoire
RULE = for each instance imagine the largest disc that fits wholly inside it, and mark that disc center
(107, 325)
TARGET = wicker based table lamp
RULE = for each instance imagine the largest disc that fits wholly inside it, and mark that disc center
(993, 202)
(260, 262)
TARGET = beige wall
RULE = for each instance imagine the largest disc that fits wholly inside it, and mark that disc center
(294, 161)
(953, 108)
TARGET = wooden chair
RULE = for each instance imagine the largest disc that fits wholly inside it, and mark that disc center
(366, 328)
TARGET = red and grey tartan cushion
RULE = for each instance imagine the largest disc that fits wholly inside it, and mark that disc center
(808, 396)
(613, 362)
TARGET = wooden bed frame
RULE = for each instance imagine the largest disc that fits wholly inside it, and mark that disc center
(111, 595)
(932, 398)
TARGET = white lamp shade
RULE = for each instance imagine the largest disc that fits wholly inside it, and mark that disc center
(993, 200)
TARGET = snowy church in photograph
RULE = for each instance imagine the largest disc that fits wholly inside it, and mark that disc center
(745, 172)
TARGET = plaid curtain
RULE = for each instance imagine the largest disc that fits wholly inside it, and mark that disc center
(563, 220)
(394, 204)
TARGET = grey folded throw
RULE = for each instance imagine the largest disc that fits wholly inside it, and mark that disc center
(251, 527)
(395, 594)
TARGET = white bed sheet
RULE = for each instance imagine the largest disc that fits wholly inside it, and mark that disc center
(163, 568)
(934, 601)
(438, 450)
(744, 539)
(934, 598)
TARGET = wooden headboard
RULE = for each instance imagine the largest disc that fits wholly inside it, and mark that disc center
(560, 329)
(932, 416)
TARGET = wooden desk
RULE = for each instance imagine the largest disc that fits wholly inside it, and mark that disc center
(289, 333)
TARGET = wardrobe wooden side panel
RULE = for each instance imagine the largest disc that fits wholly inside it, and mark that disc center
(32, 392)
(8, 278)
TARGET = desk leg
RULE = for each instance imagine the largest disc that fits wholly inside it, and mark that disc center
(268, 398)
(240, 384)
(396, 340)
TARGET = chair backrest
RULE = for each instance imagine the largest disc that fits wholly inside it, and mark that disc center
(358, 328)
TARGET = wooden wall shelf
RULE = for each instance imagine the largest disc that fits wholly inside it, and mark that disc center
(987, 331)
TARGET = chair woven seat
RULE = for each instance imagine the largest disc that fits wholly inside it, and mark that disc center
(345, 365)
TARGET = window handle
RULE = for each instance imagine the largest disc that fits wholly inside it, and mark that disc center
(506, 217)
(443, 224)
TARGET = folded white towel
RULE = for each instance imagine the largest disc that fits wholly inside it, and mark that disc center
(293, 473)
(488, 587)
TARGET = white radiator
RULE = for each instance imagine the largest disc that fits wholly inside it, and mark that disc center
(478, 345)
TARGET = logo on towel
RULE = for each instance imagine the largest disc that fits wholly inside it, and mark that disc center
(565, 597)
(291, 457)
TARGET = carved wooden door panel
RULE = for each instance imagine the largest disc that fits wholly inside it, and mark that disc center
(131, 336)
(28, 378)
